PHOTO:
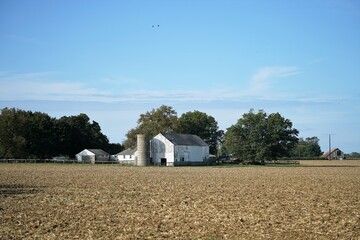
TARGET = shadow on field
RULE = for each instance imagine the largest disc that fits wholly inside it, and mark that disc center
(14, 189)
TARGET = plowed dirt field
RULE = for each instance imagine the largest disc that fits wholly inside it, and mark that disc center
(54, 201)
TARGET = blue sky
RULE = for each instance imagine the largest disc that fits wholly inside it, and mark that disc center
(105, 59)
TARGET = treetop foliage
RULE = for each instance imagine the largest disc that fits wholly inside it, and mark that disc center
(164, 119)
(26, 134)
(151, 123)
(307, 148)
(202, 125)
(259, 137)
(355, 155)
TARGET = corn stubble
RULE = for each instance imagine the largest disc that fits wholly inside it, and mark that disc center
(113, 202)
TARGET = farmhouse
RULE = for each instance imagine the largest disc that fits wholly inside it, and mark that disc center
(173, 149)
(334, 154)
(92, 156)
(127, 156)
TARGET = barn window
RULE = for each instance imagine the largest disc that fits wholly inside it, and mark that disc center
(181, 159)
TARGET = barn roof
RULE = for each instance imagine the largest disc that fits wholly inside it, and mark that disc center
(129, 151)
(325, 155)
(98, 151)
(184, 139)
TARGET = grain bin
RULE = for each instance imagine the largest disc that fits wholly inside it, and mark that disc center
(142, 156)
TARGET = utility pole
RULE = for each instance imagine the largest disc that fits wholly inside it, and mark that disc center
(329, 146)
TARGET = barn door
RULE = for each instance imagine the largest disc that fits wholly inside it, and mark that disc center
(163, 162)
(186, 156)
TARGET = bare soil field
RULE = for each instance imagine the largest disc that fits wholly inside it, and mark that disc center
(330, 163)
(54, 201)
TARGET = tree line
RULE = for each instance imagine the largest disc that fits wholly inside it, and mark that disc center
(165, 119)
(26, 134)
(256, 136)
(307, 148)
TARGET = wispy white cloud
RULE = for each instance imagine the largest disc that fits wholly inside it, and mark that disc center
(42, 86)
(111, 103)
(261, 80)
(121, 81)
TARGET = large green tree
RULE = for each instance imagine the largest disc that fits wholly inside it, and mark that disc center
(162, 119)
(40, 136)
(258, 137)
(77, 132)
(26, 134)
(13, 127)
(307, 148)
(202, 125)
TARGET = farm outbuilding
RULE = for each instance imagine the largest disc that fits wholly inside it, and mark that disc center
(173, 149)
(335, 154)
(92, 156)
(127, 156)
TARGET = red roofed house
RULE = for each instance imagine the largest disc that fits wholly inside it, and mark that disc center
(335, 153)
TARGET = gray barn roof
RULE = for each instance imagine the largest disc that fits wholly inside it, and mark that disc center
(98, 151)
(184, 139)
(129, 151)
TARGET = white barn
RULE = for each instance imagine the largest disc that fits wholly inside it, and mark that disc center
(127, 156)
(92, 156)
(173, 149)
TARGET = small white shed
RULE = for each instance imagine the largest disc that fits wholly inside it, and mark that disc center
(127, 156)
(92, 156)
(174, 149)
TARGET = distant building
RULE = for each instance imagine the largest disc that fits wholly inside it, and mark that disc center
(92, 156)
(173, 149)
(127, 156)
(335, 154)
(167, 149)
